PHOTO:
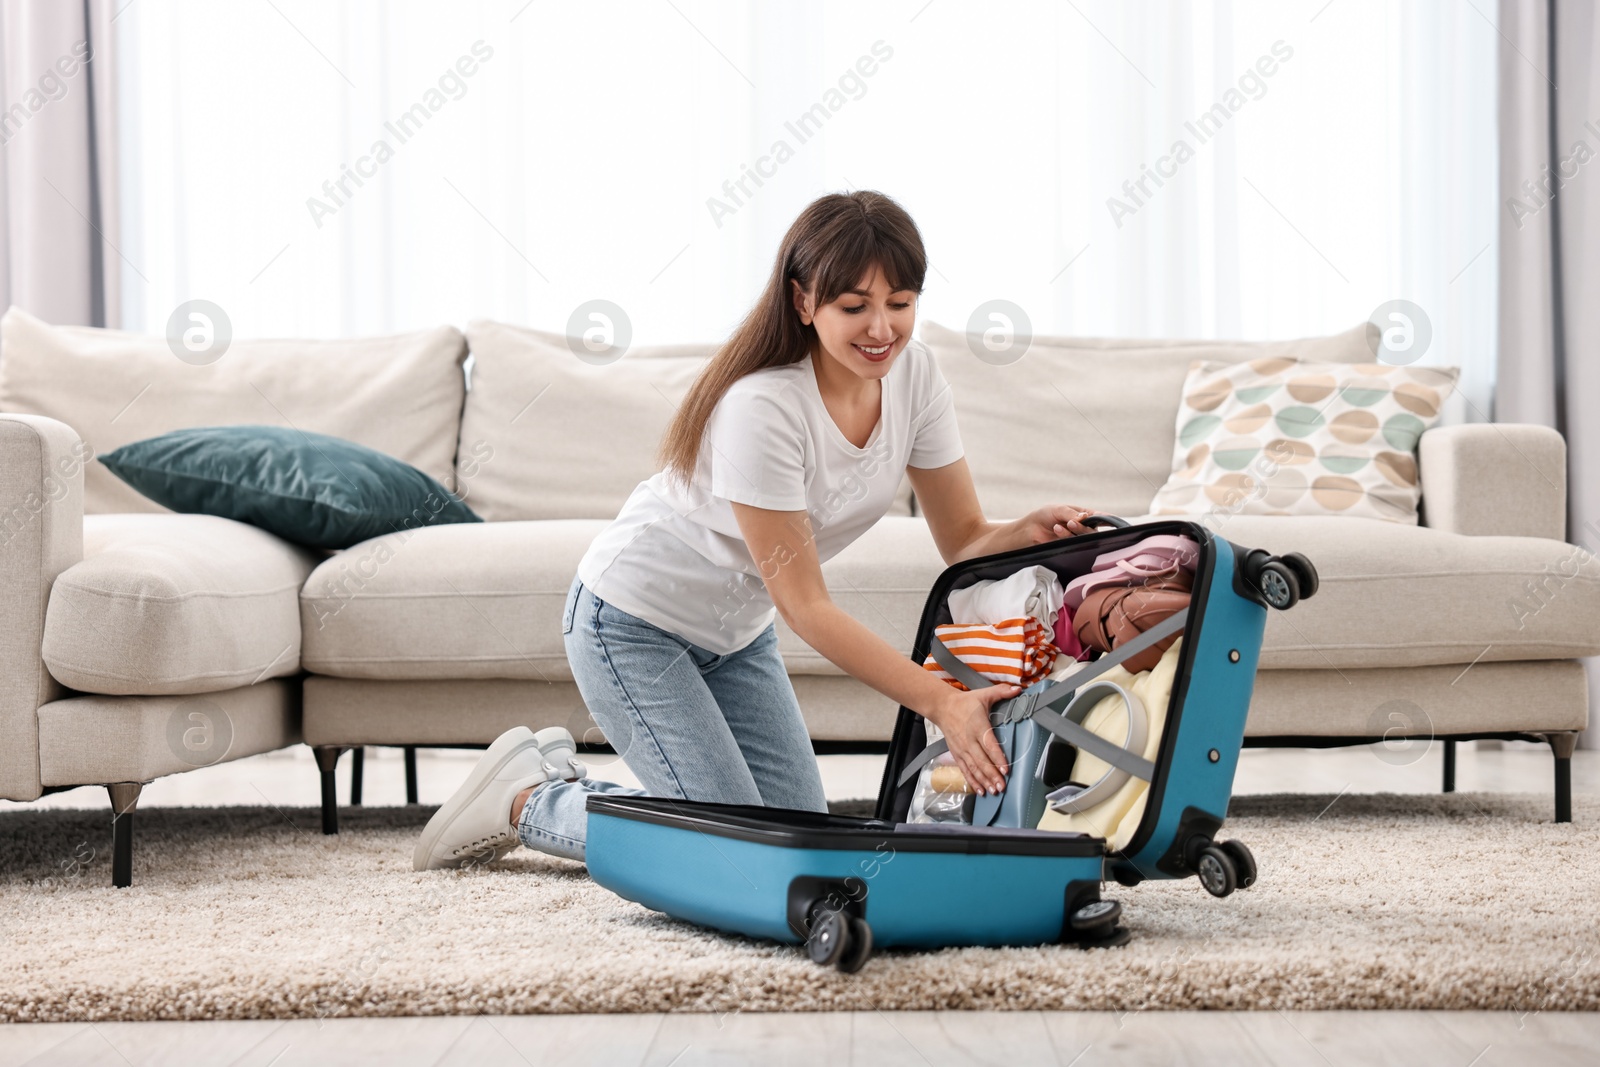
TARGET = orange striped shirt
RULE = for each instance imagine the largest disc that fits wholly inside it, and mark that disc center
(1016, 650)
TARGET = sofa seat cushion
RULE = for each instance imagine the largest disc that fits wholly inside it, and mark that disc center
(169, 604)
(1393, 595)
(484, 600)
(478, 600)
(1390, 595)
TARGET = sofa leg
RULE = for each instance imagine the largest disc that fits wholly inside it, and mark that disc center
(1562, 745)
(358, 771)
(327, 760)
(1449, 766)
(124, 798)
(411, 774)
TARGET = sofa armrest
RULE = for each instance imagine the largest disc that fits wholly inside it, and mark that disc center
(41, 535)
(1508, 479)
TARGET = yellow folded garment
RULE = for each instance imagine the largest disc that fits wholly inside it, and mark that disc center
(1117, 817)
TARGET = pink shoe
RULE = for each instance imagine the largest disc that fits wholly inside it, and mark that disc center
(1158, 556)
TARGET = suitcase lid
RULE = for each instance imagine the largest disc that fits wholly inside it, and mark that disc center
(1070, 558)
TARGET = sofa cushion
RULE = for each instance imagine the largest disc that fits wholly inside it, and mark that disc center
(1292, 437)
(400, 394)
(308, 488)
(170, 604)
(1392, 595)
(485, 600)
(1389, 596)
(1086, 420)
(478, 600)
(548, 435)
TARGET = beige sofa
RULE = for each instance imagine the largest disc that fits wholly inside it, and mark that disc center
(142, 643)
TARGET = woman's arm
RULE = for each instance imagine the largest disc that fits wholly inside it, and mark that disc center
(949, 501)
(781, 544)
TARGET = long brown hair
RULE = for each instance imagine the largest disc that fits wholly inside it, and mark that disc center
(830, 248)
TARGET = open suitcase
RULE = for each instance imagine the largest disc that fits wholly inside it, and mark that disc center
(843, 885)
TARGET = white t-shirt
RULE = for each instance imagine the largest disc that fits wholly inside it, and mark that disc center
(674, 556)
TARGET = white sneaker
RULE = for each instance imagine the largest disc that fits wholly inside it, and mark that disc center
(474, 825)
(560, 752)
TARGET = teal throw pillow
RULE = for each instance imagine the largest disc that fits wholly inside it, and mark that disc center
(308, 488)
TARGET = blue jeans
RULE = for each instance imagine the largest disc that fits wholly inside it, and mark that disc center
(689, 723)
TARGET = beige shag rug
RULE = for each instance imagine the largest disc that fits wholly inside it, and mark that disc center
(1460, 901)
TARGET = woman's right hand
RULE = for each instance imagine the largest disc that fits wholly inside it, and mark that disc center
(964, 721)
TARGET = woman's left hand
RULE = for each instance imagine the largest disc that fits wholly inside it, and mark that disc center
(1055, 521)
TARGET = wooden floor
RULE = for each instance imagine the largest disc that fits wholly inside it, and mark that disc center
(1414, 1039)
(1450, 1039)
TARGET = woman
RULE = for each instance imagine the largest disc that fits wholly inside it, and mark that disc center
(790, 445)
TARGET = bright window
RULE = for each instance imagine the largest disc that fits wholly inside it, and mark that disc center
(326, 169)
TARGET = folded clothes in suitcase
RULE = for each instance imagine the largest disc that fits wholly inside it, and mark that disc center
(843, 885)
(1129, 591)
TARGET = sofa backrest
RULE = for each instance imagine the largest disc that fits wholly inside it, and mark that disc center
(401, 394)
(1090, 421)
(547, 435)
(538, 433)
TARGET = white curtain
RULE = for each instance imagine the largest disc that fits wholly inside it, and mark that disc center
(58, 165)
(596, 151)
(1550, 252)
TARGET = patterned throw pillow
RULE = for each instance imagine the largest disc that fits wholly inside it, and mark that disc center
(1286, 437)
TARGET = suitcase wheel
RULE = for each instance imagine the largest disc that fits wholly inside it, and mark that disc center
(1279, 585)
(1094, 925)
(859, 950)
(1244, 861)
(839, 940)
(1217, 872)
(830, 933)
(1304, 571)
(1095, 917)
(1282, 581)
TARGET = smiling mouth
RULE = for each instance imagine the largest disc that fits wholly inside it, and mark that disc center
(874, 354)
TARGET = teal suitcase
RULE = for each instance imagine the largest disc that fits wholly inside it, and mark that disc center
(844, 885)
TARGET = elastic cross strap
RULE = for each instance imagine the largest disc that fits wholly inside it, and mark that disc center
(1087, 740)
(1029, 705)
(958, 670)
(1074, 796)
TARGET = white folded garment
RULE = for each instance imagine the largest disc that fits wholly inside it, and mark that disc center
(1034, 591)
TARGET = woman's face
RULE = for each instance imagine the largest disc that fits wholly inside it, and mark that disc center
(865, 328)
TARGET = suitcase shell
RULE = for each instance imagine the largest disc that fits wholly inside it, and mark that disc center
(761, 871)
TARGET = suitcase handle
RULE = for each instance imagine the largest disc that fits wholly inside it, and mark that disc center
(1111, 521)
